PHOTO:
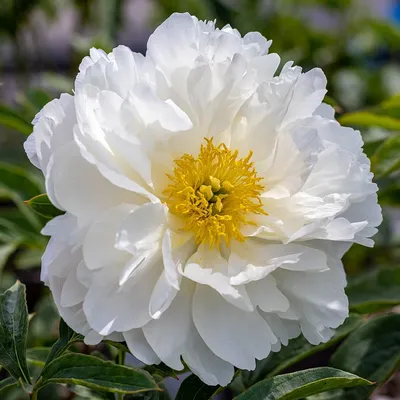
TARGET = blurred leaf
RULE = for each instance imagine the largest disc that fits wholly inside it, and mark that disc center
(43, 328)
(372, 352)
(11, 119)
(43, 206)
(193, 388)
(88, 371)
(375, 291)
(86, 393)
(118, 345)
(389, 195)
(58, 82)
(33, 100)
(298, 349)
(161, 370)
(5, 252)
(391, 103)
(7, 280)
(7, 383)
(364, 118)
(28, 258)
(66, 338)
(386, 158)
(37, 355)
(13, 331)
(14, 216)
(19, 180)
(300, 384)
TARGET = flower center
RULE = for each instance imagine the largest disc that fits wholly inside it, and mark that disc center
(215, 193)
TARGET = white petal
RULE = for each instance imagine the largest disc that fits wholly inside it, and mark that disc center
(99, 245)
(267, 296)
(208, 267)
(142, 229)
(226, 329)
(139, 347)
(110, 307)
(93, 338)
(168, 334)
(73, 291)
(204, 363)
(254, 260)
(162, 296)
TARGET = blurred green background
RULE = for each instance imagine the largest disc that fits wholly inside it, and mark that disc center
(355, 42)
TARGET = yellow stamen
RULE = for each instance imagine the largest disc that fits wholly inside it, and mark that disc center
(215, 184)
(206, 191)
(210, 210)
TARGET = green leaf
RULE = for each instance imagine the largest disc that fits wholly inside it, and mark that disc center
(375, 291)
(195, 389)
(373, 352)
(7, 384)
(37, 355)
(298, 349)
(364, 118)
(94, 373)
(43, 206)
(13, 332)
(66, 338)
(13, 120)
(300, 384)
(386, 158)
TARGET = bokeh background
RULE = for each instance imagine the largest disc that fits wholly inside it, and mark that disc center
(355, 42)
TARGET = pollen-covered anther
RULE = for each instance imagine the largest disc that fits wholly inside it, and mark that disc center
(215, 193)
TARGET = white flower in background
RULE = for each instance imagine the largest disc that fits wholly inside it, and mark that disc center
(208, 200)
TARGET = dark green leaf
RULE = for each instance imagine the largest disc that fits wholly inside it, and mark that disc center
(66, 338)
(298, 349)
(301, 384)
(372, 352)
(43, 206)
(92, 372)
(13, 331)
(386, 158)
(375, 291)
(7, 384)
(195, 389)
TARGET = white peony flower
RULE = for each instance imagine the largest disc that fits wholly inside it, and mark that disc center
(209, 200)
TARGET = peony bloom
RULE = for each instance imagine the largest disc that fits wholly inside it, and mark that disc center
(208, 200)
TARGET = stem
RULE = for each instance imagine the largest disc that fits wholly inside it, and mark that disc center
(121, 357)
(34, 395)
